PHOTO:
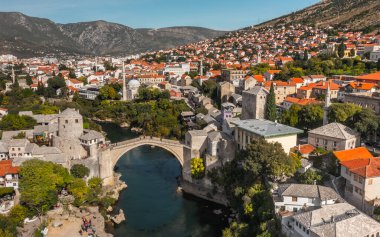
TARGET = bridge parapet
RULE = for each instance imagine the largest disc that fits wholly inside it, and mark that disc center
(143, 139)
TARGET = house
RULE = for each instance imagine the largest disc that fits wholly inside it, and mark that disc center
(361, 173)
(253, 129)
(289, 101)
(304, 150)
(269, 75)
(74, 83)
(281, 89)
(304, 92)
(339, 219)
(9, 174)
(297, 197)
(370, 78)
(3, 112)
(334, 136)
(320, 89)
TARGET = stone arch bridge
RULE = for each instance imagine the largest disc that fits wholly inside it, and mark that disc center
(108, 156)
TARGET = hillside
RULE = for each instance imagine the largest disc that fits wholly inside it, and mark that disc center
(31, 36)
(350, 14)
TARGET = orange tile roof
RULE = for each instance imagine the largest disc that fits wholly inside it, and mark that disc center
(353, 154)
(301, 101)
(7, 168)
(373, 76)
(279, 83)
(296, 80)
(273, 71)
(323, 85)
(259, 78)
(362, 85)
(308, 87)
(364, 167)
(305, 149)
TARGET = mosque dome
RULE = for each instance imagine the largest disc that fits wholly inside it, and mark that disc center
(133, 84)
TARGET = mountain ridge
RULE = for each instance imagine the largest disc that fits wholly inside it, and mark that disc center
(23, 35)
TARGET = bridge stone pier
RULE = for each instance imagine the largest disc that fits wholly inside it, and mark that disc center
(108, 156)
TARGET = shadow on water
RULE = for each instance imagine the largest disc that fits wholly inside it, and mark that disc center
(151, 203)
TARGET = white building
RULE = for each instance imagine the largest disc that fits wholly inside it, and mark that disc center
(8, 174)
(253, 129)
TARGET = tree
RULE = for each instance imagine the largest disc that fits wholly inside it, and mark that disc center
(291, 116)
(17, 122)
(95, 188)
(29, 80)
(367, 123)
(341, 49)
(79, 189)
(108, 92)
(270, 109)
(309, 177)
(79, 171)
(305, 55)
(197, 168)
(378, 65)
(311, 116)
(41, 181)
(342, 112)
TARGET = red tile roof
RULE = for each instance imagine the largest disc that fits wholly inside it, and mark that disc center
(364, 167)
(305, 149)
(353, 154)
(373, 76)
(7, 168)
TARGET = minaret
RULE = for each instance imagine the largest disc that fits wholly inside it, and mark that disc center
(327, 104)
(13, 76)
(201, 74)
(124, 85)
(259, 57)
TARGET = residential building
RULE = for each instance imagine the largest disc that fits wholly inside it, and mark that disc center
(298, 197)
(9, 174)
(334, 136)
(340, 219)
(281, 89)
(252, 129)
(233, 74)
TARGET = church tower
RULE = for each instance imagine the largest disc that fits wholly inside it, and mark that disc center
(327, 104)
(124, 85)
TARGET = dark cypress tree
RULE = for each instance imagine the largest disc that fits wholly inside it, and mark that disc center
(341, 49)
(270, 110)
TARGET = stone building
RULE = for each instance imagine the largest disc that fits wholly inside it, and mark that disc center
(225, 91)
(233, 74)
(365, 100)
(281, 89)
(254, 103)
(70, 128)
(334, 136)
(252, 129)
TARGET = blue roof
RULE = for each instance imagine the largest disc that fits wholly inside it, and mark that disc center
(266, 128)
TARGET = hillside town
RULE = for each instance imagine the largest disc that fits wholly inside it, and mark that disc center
(312, 93)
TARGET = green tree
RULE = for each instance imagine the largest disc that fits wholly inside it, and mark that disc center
(29, 80)
(311, 116)
(341, 49)
(367, 123)
(108, 92)
(342, 112)
(95, 188)
(41, 181)
(291, 116)
(270, 109)
(17, 122)
(79, 189)
(79, 171)
(309, 177)
(197, 168)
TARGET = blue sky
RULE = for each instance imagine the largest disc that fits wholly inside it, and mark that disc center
(216, 14)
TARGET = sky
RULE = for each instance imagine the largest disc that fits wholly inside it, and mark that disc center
(215, 14)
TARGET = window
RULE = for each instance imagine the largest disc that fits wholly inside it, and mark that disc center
(356, 178)
(295, 209)
(294, 199)
(335, 143)
(370, 181)
(76, 121)
(360, 180)
(66, 121)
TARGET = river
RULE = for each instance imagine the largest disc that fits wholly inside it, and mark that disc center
(151, 203)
